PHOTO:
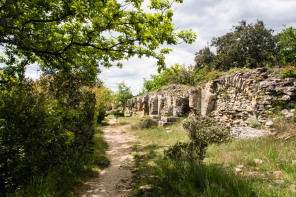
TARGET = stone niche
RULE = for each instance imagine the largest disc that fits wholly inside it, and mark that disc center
(233, 98)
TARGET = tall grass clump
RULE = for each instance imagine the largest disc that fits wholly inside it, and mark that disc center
(198, 180)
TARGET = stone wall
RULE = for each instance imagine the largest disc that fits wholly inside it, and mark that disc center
(233, 98)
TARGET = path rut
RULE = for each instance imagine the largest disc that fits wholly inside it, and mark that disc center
(115, 180)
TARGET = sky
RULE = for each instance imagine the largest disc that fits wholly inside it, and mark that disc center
(208, 19)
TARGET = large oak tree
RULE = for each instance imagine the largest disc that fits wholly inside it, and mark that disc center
(81, 35)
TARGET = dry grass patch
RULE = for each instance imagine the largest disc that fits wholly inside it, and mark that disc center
(283, 127)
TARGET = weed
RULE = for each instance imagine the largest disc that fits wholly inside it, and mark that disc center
(213, 75)
(233, 70)
(254, 123)
(288, 71)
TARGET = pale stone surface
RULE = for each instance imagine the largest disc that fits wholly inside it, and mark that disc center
(253, 173)
(279, 181)
(269, 123)
(247, 132)
(287, 113)
(258, 161)
(277, 174)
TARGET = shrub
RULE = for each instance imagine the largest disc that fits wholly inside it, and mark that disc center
(202, 131)
(145, 123)
(288, 71)
(118, 114)
(202, 72)
(181, 152)
(213, 75)
(101, 115)
(206, 129)
(233, 70)
(43, 129)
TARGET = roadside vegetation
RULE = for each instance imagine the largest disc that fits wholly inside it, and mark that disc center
(62, 181)
(167, 165)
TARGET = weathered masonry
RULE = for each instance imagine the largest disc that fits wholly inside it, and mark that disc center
(232, 98)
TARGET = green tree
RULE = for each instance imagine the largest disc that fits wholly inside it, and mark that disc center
(204, 57)
(287, 46)
(248, 45)
(123, 94)
(76, 35)
(156, 81)
(44, 125)
(176, 74)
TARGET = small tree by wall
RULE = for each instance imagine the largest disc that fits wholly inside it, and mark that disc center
(123, 94)
(287, 46)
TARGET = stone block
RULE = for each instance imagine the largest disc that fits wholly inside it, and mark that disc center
(164, 124)
(169, 118)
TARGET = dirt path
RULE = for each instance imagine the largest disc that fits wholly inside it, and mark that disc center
(115, 180)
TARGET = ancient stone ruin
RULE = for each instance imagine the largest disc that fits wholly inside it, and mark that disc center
(233, 98)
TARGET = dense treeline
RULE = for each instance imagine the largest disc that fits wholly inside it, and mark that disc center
(46, 125)
(246, 46)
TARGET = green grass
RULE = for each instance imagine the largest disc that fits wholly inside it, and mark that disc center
(62, 181)
(169, 180)
(160, 136)
(275, 154)
(217, 176)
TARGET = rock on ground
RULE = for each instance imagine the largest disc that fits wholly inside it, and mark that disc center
(247, 132)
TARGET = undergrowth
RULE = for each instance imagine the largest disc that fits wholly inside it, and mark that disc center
(273, 175)
(61, 181)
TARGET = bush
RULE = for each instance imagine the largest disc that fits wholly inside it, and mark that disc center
(44, 128)
(145, 123)
(101, 115)
(213, 75)
(176, 74)
(32, 137)
(207, 73)
(206, 129)
(202, 131)
(192, 152)
(288, 71)
(118, 114)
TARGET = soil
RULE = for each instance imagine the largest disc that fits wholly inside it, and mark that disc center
(115, 180)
